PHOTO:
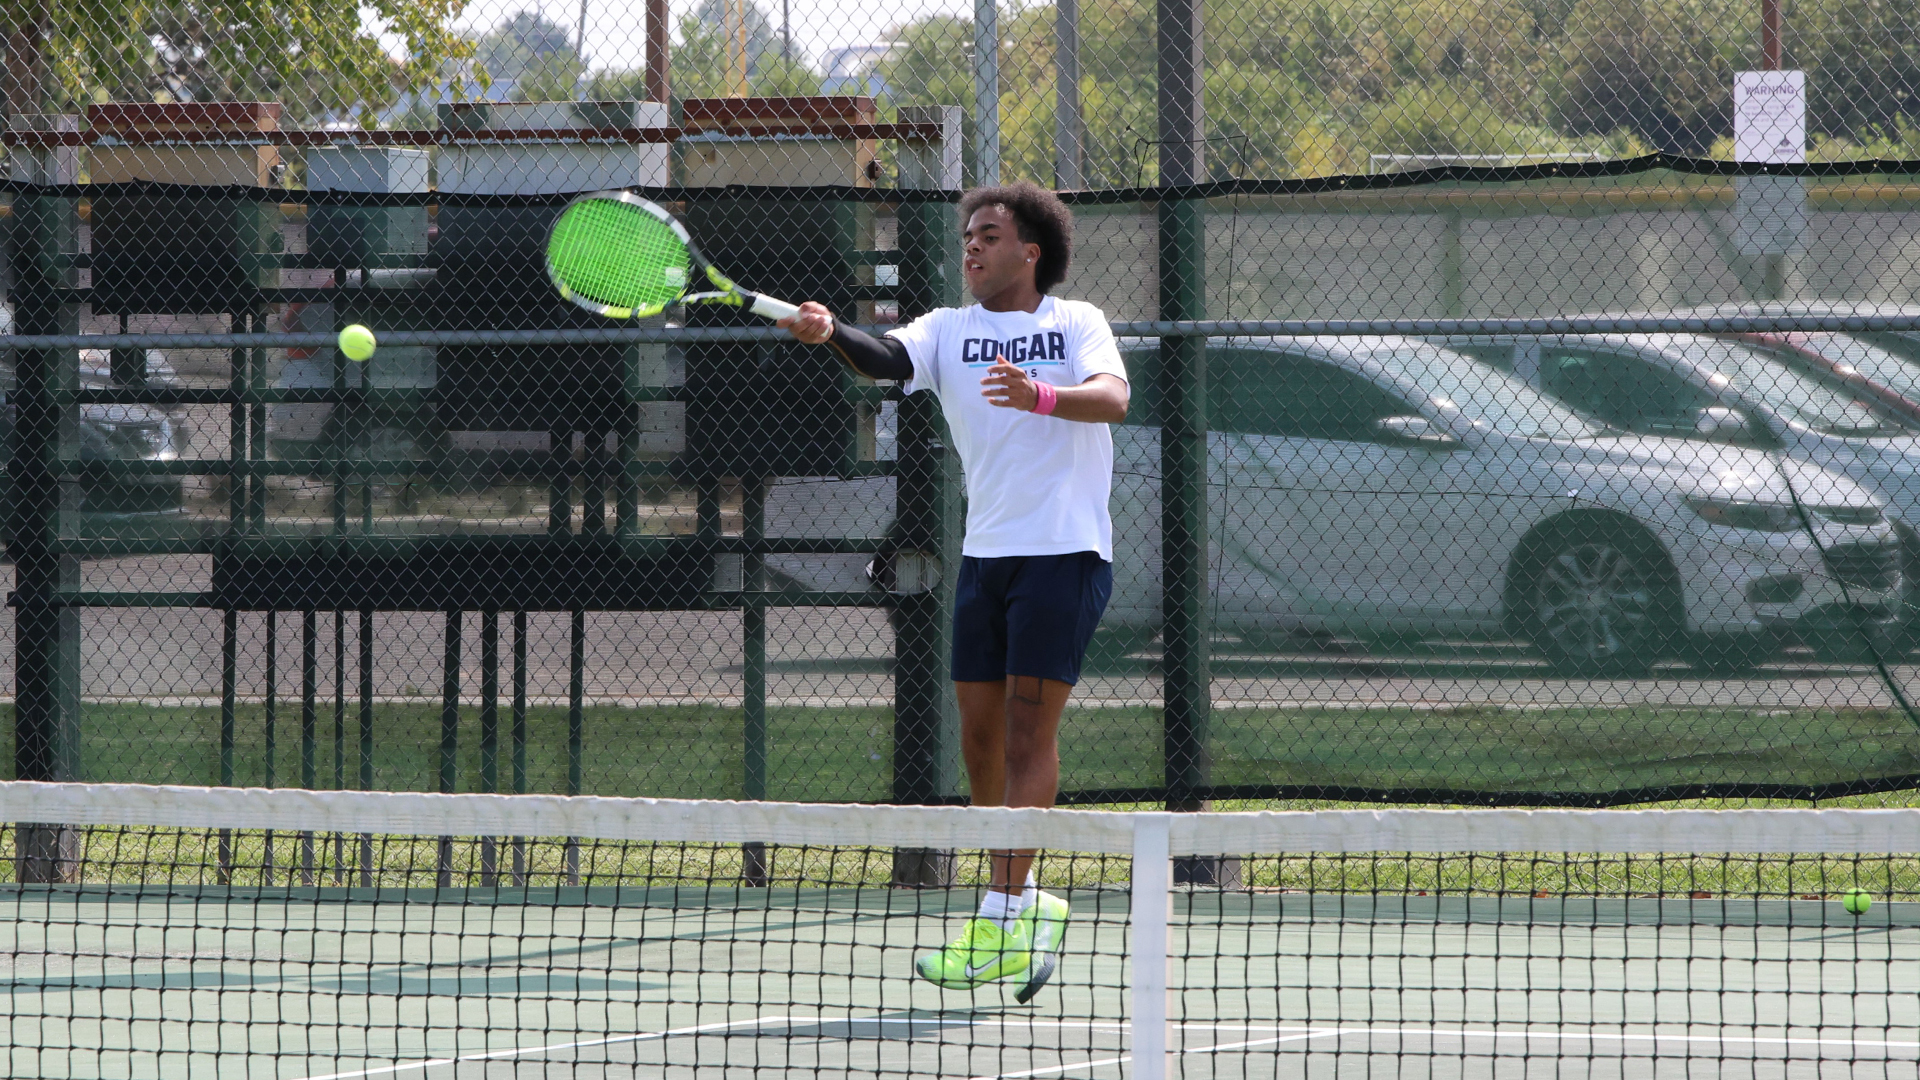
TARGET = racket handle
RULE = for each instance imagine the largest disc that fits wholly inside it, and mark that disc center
(768, 307)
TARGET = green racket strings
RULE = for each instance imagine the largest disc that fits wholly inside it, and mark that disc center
(618, 256)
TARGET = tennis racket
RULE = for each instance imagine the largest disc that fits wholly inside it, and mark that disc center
(616, 254)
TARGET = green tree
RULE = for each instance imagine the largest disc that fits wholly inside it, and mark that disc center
(1352, 51)
(1862, 59)
(553, 77)
(313, 56)
(534, 53)
(1653, 67)
(1293, 87)
(699, 61)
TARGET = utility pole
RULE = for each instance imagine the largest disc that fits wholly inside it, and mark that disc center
(657, 46)
(1769, 35)
(1774, 269)
(736, 29)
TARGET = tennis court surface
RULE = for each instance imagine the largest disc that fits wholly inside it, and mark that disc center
(296, 934)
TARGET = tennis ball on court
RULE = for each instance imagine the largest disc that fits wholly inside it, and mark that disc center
(1856, 900)
(357, 342)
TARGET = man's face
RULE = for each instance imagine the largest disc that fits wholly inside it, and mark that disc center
(995, 258)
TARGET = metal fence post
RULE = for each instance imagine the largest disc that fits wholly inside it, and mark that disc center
(1186, 681)
(926, 560)
(46, 633)
(753, 698)
(489, 735)
(1069, 133)
(449, 740)
(309, 726)
(986, 91)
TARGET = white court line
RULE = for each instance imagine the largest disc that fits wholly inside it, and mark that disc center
(1588, 1036)
(1078, 1065)
(1293, 1035)
(648, 1036)
(1055, 1069)
(1303, 1034)
(1217, 1048)
(495, 1055)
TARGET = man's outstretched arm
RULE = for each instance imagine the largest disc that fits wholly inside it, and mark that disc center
(876, 358)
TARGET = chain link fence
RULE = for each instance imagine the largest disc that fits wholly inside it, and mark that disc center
(1426, 534)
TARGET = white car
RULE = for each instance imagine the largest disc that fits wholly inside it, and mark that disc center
(1716, 391)
(1384, 486)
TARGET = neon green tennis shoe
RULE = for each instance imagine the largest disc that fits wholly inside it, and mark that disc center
(981, 954)
(1047, 916)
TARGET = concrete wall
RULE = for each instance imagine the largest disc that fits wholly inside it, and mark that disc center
(1273, 261)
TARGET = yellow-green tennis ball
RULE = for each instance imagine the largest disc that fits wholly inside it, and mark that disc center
(1856, 900)
(357, 342)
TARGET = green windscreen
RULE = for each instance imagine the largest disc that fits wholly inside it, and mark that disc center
(618, 255)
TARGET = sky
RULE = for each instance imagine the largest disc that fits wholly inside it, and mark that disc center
(616, 36)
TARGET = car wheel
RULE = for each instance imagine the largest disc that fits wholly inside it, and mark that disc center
(1599, 602)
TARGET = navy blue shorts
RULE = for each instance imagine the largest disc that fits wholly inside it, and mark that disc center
(1028, 615)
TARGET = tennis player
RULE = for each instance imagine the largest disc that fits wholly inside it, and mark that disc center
(1028, 383)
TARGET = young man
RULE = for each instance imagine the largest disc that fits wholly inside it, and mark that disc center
(1028, 383)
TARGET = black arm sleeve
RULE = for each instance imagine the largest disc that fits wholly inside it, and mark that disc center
(876, 358)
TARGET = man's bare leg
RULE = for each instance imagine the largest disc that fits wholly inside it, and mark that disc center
(1009, 736)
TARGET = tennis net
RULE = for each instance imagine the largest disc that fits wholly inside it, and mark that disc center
(248, 932)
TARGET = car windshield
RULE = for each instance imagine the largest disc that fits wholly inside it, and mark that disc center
(1487, 396)
(1796, 397)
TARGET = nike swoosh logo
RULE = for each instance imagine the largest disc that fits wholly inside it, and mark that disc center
(972, 972)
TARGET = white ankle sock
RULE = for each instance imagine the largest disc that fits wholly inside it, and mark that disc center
(1002, 908)
(1005, 908)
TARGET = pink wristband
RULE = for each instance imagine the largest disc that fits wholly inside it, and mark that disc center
(1045, 398)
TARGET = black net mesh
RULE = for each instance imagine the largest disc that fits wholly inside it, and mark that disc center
(295, 934)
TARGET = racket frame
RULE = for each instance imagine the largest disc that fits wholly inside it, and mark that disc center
(725, 291)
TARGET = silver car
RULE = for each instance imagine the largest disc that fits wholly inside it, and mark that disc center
(1385, 486)
(1727, 393)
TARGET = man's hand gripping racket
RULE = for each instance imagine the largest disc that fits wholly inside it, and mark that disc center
(618, 255)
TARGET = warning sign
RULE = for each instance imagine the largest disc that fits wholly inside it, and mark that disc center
(1770, 116)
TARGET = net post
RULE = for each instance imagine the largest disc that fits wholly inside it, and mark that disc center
(1152, 902)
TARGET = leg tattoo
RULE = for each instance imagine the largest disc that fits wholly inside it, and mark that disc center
(1026, 689)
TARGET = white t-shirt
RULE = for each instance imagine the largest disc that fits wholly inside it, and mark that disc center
(1036, 485)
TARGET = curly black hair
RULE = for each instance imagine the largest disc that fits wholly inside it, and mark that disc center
(1039, 217)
